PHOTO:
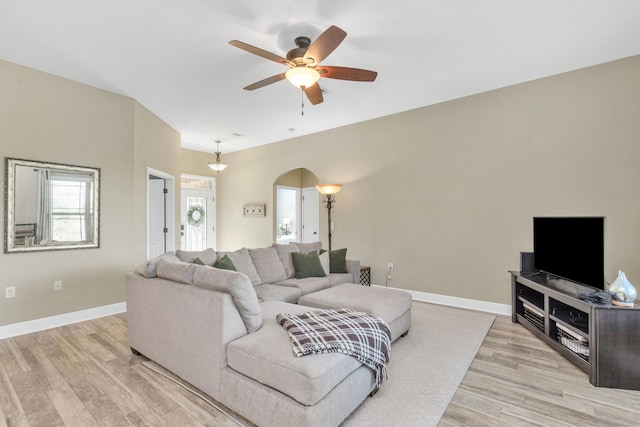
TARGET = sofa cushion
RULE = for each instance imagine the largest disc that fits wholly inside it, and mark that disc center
(224, 263)
(324, 260)
(307, 265)
(308, 285)
(178, 271)
(267, 357)
(149, 268)
(339, 278)
(269, 292)
(243, 263)
(338, 261)
(236, 284)
(268, 264)
(305, 248)
(208, 256)
(284, 253)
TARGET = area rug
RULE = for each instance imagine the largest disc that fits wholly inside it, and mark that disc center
(426, 367)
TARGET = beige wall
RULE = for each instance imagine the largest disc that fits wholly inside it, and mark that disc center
(44, 117)
(445, 192)
(448, 192)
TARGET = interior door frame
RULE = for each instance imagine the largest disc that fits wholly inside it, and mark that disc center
(169, 208)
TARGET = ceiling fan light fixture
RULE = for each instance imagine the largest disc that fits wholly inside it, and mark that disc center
(302, 76)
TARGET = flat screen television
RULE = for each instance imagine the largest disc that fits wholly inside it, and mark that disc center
(570, 248)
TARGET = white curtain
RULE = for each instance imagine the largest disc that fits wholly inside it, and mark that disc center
(43, 232)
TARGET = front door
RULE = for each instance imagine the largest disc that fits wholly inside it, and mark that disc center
(198, 213)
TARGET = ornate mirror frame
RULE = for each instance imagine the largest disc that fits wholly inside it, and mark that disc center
(69, 206)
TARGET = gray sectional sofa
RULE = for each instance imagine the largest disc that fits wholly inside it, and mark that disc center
(216, 329)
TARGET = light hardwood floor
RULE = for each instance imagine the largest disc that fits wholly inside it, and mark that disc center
(516, 380)
(85, 375)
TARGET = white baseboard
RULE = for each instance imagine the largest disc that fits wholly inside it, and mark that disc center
(37, 325)
(469, 304)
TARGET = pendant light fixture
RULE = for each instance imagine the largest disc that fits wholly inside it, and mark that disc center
(217, 165)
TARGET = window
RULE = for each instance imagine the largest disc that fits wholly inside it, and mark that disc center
(71, 207)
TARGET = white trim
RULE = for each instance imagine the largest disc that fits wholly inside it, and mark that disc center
(469, 304)
(37, 325)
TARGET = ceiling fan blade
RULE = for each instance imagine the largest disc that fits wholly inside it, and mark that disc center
(265, 82)
(325, 44)
(314, 93)
(260, 52)
(346, 73)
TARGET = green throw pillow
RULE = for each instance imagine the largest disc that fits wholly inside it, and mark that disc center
(198, 261)
(338, 261)
(307, 265)
(225, 263)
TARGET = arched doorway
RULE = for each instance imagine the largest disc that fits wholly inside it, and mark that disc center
(296, 207)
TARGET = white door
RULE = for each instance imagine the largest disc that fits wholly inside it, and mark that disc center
(157, 217)
(198, 209)
(160, 213)
(310, 215)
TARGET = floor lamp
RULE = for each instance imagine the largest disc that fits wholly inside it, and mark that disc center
(328, 192)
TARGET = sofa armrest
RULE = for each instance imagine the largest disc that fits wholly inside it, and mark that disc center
(184, 328)
(353, 267)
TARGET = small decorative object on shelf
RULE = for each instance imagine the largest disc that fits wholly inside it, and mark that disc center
(623, 293)
(365, 275)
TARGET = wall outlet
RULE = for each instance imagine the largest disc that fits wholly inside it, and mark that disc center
(57, 285)
(390, 266)
(10, 292)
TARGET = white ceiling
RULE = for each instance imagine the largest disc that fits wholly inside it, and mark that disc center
(174, 58)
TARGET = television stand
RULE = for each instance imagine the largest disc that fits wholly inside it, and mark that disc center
(602, 340)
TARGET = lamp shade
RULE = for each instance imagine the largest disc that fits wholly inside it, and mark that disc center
(286, 221)
(328, 188)
(217, 166)
(302, 76)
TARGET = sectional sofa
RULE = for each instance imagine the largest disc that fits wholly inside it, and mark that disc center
(216, 329)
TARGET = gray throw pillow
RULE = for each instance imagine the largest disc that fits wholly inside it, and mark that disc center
(240, 288)
(208, 256)
(284, 253)
(243, 263)
(305, 248)
(268, 265)
(307, 265)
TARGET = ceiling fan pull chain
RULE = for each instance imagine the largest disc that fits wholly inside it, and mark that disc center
(302, 100)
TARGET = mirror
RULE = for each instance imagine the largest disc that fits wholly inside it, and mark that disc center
(50, 206)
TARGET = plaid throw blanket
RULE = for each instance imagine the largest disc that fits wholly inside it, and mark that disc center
(365, 337)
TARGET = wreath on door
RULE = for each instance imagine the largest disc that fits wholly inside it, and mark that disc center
(195, 216)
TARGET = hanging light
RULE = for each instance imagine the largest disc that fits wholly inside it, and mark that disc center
(217, 165)
(302, 76)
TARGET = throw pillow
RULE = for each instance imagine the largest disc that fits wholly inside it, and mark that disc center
(307, 265)
(224, 263)
(284, 253)
(243, 263)
(197, 261)
(181, 272)
(268, 265)
(208, 256)
(338, 261)
(324, 260)
(305, 248)
(240, 288)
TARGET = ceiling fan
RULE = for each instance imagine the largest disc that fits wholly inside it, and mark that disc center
(304, 64)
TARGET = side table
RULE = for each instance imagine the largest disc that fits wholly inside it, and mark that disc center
(365, 275)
